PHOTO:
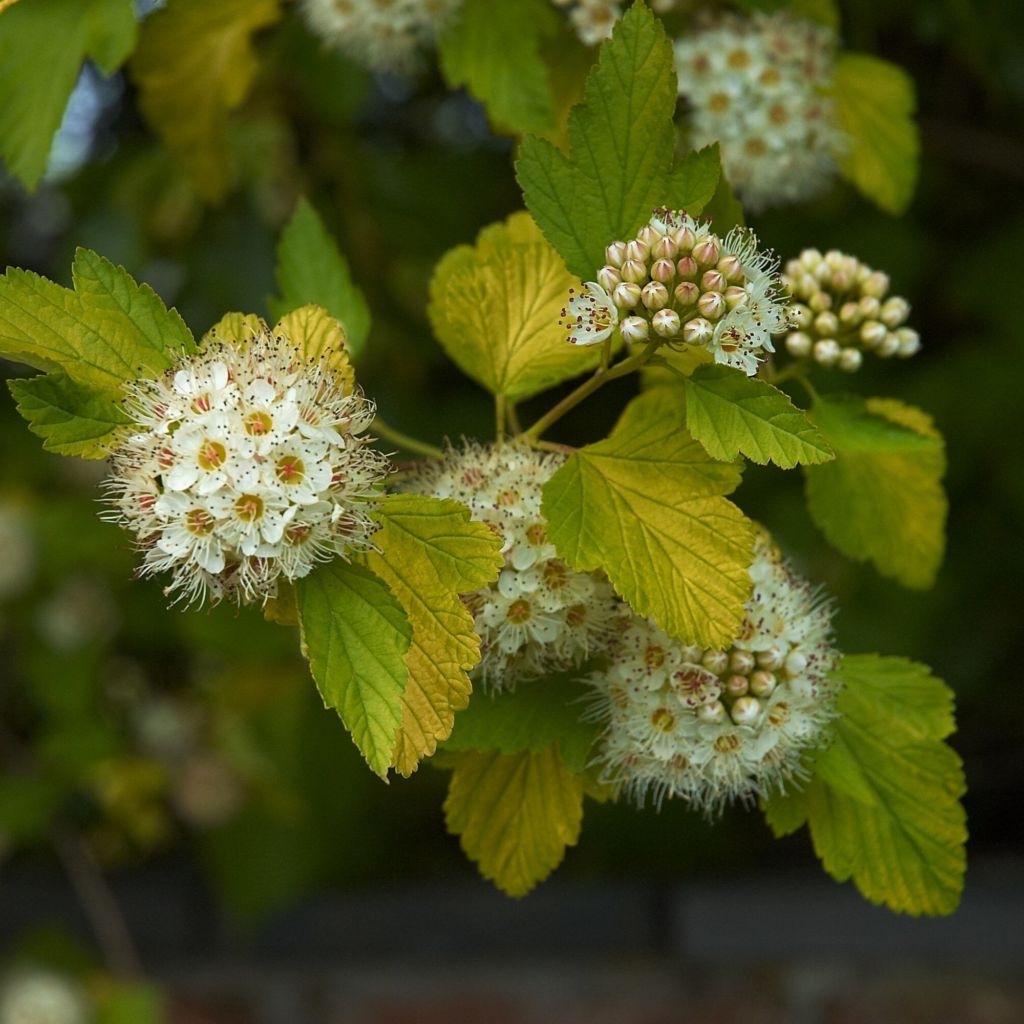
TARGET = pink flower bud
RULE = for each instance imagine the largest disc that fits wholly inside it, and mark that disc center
(736, 296)
(686, 293)
(663, 270)
(666, 323)
(686, 268)
(712, 305)
(706, 252)
(626, 295)
(634, 271)
(664, 249)
(713, 281)
(697, 330)
(608, 278)
(615, 254)
(850, 360)
(637, 250)
(827, 351)
(684, 238)
(798, 344)
(635, 329)
(654, 295)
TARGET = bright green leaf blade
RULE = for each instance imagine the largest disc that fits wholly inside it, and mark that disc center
(495, 309)
(42, 47)
(883, 807)
(881, 498)
(312, 271)
(356, 636)
(693, 180)
(194, 64)
(875, 105)
(108, 331)
(731, 414)
(430, 553)
(621, 141)
(70, 419)
(494, 50)
(515, 814)
(645, 506)
(530, 717)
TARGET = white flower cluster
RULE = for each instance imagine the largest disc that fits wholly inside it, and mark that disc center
(246, 465)
(593, 20)
(540, 616)
(383, 35)
(712, 726)
(843, 308)
(689, 286)
(757, 86)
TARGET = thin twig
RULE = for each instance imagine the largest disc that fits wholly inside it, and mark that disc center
(410, 444)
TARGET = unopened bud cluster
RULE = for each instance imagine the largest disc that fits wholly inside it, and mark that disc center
(42, 996)
(540, 616)
(758, 87)
(714, 725)
(383, 35)
(843, 308)
(680, 282)
(247, 462)
(593, 20)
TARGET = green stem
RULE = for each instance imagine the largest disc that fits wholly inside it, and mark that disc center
(500, 417)
(588, 387)
(410, 444)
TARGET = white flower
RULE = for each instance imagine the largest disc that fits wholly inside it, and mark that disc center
(594, 20)
(383, 35)
(712, 726)
(540, 616)
(591, 315)
(758, 86)
(247, 464)
(696, 287)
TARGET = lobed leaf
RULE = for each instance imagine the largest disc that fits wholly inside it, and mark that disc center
(355, 635)
(881, 498)
(883, 806)
(732, 414)
(875, 104)
(515, 814)
(495, 309)
(646, 506)
(430, 552)
(71, 419)
(621, 143)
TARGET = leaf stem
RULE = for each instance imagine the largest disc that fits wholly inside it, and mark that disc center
(601, 376)
(410, 444)
(500, 417)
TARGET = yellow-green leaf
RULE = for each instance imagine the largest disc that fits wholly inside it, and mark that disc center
(875, 106)
(430, 553)
(732, 414)
(515, 814)
(70, 419)
(646, 506)
(356, 636)
(881, 498)
(194, 64)
(235, 328)
(495, 308)
(318, 335)
(108, 330)
(42, 46)
(883, 806)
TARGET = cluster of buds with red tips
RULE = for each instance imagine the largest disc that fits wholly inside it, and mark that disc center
(842, 309)
(680, 282)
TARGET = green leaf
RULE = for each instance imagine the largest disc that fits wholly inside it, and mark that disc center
(494, 50)
(875, 104)
(42, 47)
(645, 506)
(495, 309)
(430, 552)
(883, 806)
(515, 814)
(531, 717)
(71, 419)
(108, 330)
(28, 804)
(312, 271)
(693, 180)
(730, 413)
(195, 64)
(356, 637)
(621, 141)
(881, 498)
